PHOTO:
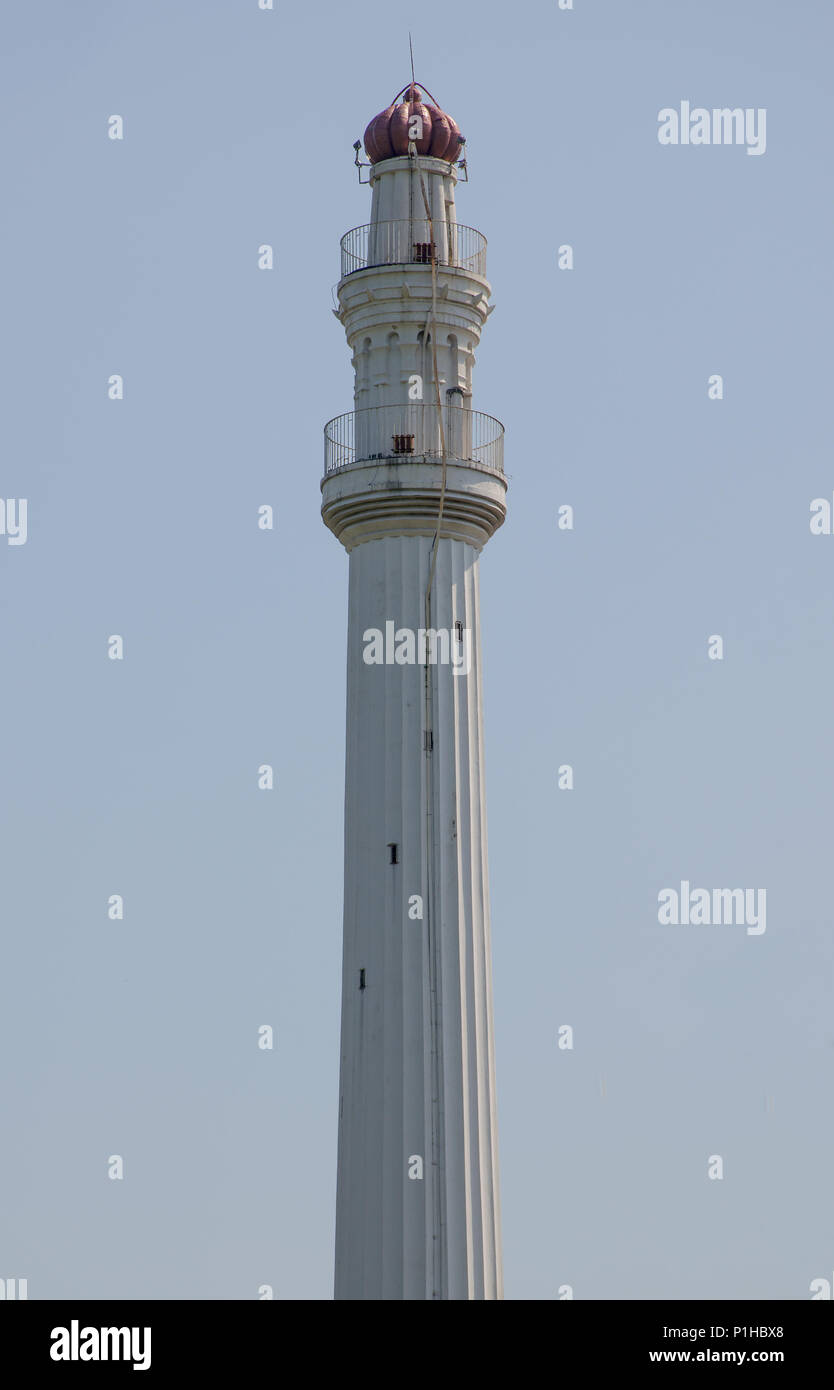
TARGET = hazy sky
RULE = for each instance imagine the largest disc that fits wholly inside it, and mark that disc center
(139, 1037)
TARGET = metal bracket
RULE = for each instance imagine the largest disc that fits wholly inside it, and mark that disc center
(360, 163)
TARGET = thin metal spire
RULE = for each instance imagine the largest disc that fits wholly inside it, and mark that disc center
(411, 51)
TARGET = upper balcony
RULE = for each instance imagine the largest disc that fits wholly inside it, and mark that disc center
(409, 242)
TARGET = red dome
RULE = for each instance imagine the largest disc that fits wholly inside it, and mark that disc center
(387, 134)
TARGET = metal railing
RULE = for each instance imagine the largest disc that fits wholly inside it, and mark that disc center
(411, 433)
(409, 242)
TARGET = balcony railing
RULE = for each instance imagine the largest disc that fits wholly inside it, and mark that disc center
(411, 433)
(410, 242)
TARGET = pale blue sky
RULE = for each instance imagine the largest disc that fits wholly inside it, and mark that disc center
(139, 257)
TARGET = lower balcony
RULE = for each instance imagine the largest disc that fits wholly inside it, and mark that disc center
(413, 433)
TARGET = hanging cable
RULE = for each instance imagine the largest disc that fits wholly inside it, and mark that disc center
(432, 913)
(433, 250)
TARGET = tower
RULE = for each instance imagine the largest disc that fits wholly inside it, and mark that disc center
(414, 488)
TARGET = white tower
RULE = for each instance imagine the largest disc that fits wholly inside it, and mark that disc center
(414, 488)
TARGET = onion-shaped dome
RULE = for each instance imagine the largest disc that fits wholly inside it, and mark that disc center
(387, 134)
